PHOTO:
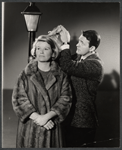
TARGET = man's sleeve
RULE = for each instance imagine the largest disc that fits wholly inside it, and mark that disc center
(85, 69)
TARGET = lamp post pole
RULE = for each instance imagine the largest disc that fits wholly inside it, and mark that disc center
(32, 17)
(31, 39)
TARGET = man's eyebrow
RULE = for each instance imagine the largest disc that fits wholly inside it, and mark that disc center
(81, 40)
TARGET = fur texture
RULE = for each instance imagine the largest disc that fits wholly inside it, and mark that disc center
(30, 95)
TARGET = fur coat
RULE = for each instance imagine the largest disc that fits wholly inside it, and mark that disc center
(30, 95)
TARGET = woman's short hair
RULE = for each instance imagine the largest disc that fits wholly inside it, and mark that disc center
(50, 41)
(93, 37)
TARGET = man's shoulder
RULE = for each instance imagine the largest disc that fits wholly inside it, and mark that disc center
(74, 56)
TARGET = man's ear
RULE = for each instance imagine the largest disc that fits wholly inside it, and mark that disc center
(92, 48)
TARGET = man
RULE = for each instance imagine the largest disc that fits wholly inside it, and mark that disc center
(86, 73)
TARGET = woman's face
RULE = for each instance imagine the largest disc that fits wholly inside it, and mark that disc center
(43, 51)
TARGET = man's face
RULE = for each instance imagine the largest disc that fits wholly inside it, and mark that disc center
(82, 46)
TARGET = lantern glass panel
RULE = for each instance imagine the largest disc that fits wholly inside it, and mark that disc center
(31, 22)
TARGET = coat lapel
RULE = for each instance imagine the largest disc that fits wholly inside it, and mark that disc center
(32, 71)
(51, 79)
(40, 86)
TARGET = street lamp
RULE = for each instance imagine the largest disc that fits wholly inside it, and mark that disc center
(32, 17)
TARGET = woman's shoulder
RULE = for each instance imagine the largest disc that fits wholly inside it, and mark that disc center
(22, 75)
(31, 67)
(28, 70)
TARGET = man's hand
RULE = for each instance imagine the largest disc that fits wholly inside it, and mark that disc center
(55, 31)
(61, 34)
(64, 35)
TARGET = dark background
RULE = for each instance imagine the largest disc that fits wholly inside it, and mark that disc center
(102, 17)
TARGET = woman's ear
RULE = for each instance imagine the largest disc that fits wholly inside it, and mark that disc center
(92, 48)
(34, 54)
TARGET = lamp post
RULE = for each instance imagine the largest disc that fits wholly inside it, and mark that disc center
(32, 17)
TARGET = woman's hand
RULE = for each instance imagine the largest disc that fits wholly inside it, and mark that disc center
(41, 120)
(49, 125)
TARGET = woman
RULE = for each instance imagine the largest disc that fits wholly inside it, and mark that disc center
(41, 98)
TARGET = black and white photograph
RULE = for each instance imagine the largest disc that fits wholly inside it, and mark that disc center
(60, 74)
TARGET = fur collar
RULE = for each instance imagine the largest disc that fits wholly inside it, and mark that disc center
(32, 68)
